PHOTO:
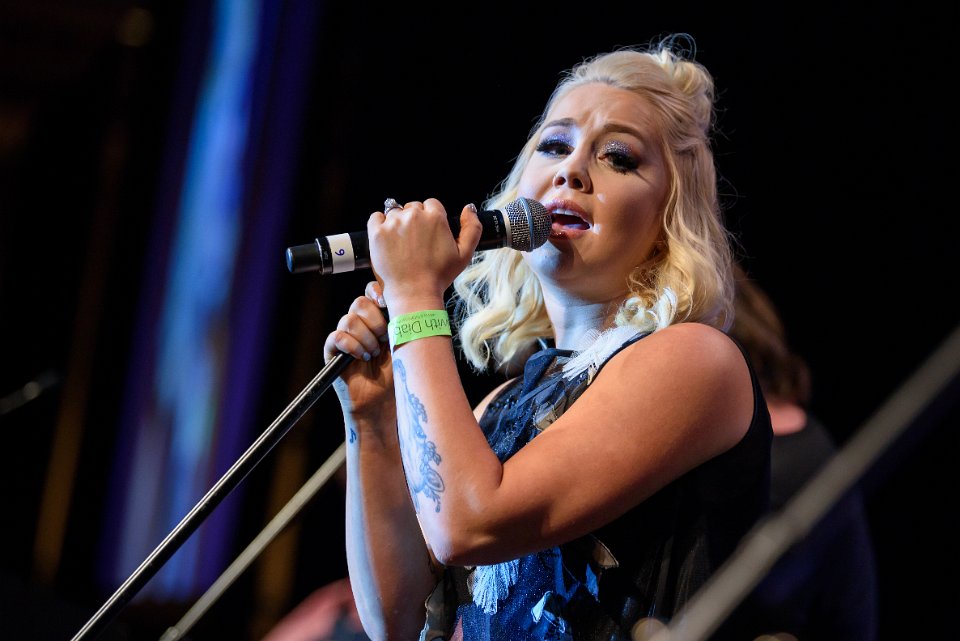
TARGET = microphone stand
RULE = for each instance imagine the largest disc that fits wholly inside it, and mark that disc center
(276, 525)
(254, 454)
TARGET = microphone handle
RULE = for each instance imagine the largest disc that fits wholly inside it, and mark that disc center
(330, 254)
(347, 252)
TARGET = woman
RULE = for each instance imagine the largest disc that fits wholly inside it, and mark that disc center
(533, 516)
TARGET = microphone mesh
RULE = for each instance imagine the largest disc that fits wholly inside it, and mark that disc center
(529, 224)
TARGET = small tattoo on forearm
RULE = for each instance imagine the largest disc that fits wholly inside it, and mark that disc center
(419, 454)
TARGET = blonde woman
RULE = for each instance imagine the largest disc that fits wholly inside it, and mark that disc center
(595, 490)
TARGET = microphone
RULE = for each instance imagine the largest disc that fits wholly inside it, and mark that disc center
(523, 224)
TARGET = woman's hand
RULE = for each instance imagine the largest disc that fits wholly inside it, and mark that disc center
(365, 387)
(416, 256)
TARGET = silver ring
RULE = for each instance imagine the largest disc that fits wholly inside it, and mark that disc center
(390, 203)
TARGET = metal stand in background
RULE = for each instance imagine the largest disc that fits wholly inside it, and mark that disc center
(266, 536)
(769, 540)
(254, 454)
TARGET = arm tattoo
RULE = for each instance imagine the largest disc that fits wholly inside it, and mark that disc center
(419, 454)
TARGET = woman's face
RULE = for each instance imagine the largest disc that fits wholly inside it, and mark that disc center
(599, 170)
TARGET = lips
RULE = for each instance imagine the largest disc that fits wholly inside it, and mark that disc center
(567, 219)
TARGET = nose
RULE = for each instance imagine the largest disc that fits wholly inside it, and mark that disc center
(573, 173)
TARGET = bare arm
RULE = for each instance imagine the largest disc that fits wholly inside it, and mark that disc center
(388, 561)
(658, 409)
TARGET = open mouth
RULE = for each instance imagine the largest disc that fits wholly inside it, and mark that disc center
(568, 220)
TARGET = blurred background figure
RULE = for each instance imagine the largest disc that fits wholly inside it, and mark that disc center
(328, 614)
(826, 587)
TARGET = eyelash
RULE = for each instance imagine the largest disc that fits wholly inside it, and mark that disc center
(621, 160)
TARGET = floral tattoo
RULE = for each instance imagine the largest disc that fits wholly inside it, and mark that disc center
(419, 454)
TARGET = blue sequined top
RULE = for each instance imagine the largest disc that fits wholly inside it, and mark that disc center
(645, 564)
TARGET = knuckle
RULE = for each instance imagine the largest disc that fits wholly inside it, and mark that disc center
(344, 341)
(346, 322)
(355, 326)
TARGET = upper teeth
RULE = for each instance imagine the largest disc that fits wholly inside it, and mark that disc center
(564, 212)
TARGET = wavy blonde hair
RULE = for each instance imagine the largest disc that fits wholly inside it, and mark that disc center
(497, 299)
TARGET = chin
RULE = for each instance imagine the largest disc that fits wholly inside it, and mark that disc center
(548, 262)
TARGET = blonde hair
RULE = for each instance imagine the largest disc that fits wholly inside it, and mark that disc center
(497, 299)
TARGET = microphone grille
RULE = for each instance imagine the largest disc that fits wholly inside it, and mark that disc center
(529, 224)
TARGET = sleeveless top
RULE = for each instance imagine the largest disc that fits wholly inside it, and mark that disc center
(644, 564)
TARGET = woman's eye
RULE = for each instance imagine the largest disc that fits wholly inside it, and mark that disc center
(554, 147)
(620, 158)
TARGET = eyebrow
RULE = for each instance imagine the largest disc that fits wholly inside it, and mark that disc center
(609, 127)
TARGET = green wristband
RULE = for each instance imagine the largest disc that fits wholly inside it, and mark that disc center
(408, 327)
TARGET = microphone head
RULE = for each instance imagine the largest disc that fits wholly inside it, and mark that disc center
(529, 224)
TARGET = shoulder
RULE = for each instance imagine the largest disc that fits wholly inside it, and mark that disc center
(693, 369)
(685, 347)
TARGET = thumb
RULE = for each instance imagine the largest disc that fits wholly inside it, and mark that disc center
(470, 231)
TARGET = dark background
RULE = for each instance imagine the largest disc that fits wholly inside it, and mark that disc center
(838, 127)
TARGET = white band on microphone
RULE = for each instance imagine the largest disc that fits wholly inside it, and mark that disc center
(341, 253)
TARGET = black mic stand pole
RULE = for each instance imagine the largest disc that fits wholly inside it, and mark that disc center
(254, 454)
(276, 525)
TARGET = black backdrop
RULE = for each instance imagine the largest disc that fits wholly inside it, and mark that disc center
(837, 127)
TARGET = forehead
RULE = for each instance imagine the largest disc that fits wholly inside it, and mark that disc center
(597, 105)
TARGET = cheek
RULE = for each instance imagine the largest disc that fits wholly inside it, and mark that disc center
(644, 240)
(535, 180)
(636, 226)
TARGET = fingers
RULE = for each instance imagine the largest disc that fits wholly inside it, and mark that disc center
(418, 250)
(374, 291)
(361, 332)
(470, 231)
(393, 209)
(390, 204)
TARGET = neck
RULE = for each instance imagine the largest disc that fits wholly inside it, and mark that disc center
(573, 319)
